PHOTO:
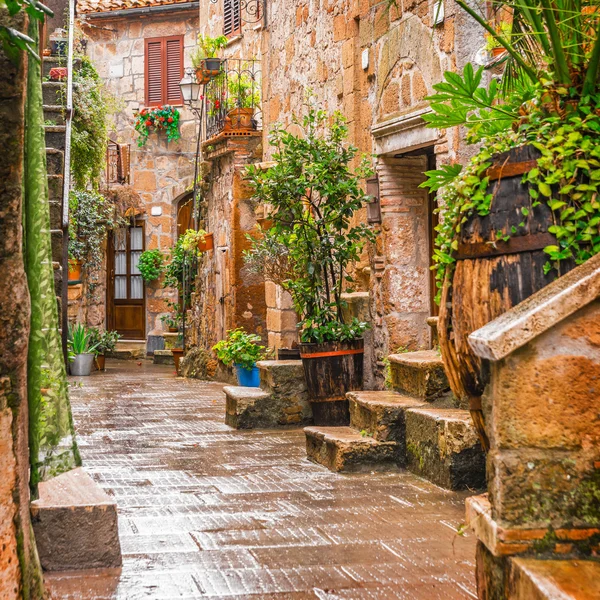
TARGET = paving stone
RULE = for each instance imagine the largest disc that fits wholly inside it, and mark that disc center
(345, 449)
(419, 374)
(442, 445)
(210, 511)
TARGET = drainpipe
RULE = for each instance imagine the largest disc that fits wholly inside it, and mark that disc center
(67, 186)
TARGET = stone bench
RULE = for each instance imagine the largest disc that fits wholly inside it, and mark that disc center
(75, 524)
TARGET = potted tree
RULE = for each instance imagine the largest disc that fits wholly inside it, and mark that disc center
(243, 351)
(525, 208)
(243, 99)
(81, 345)
(205, 57)
(103, 341)
(315, 195)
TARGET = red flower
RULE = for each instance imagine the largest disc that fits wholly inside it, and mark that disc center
(148, 122)
(162, 118)
(170, 120)
(144, 111)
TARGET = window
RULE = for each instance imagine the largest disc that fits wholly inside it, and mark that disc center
(232, 17)
(164, 70)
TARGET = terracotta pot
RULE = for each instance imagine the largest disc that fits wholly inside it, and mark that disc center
(177, 354)
(202, 76)
(173, 329)
(498, 51)
(207, 244)
(241, 118)
(100, 362)
(74, 270)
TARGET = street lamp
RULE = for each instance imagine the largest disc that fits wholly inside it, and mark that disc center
(190, 88)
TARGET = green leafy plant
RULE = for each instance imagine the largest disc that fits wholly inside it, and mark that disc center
(150, 265)
(174, 319)
(190, 240)
(244, 90)
(240, 348)
(80, 340)
(180, 261)
(208, 47)
(91, 216)
(161, 118)
(15, 41)
(103, 341)
(314, 195)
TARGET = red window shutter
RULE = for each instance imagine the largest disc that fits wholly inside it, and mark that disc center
(174, 70)
(154, 72)
(232, 17)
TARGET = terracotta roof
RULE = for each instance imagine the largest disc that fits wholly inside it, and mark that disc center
(97, 6)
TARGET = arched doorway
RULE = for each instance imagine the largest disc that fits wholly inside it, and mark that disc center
(185, 214)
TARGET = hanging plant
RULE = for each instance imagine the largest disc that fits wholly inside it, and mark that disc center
(150, 265)
(164, 117)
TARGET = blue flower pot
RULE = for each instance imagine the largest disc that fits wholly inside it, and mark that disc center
(248, 378)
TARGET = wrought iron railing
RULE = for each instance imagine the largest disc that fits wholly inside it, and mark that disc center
(233, 99)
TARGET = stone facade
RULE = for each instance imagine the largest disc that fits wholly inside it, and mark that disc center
(161, 172)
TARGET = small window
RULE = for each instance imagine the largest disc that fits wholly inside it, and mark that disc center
(232, 17)
(164, 70)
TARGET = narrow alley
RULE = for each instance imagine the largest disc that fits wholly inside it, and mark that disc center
(208, 511)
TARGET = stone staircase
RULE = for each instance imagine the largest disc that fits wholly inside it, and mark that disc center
(54, 94)
(415, 426)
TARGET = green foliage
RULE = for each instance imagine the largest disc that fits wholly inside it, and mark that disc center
(103, 341)
(174, 319)
(180, 263)
(240, 348)
(92, 105)
(208, 47)
(91, 216)
(15, 41)
(150, 265)
(315, 195)
(164, 117)
(244, 91)
(190, 240)
(80, 340)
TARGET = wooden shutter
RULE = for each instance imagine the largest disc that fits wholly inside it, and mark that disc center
(123, 164)
(232, 17)
(164, 70)
(174, 70)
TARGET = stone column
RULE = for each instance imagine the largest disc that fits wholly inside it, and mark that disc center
(20, 573)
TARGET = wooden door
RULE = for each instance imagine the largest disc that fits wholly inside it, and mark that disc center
(185, 219)
(126, 292)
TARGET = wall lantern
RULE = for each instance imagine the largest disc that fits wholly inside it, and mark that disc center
(374, 206)
(190, 88)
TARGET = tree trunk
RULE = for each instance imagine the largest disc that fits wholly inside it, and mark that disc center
(20, 572)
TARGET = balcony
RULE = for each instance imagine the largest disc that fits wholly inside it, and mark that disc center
(233, 100)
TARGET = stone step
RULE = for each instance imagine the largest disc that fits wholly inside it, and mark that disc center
(53, 92)
(163, 357)
(420, 374)
(55, 187)
(129, 350)
(245, 407)
(442, 446)
(345, 449)
(51, 62)
(381, 414)
(75, 524)
(55, 161)
(282, 377)
(54, 113)
(56, 136)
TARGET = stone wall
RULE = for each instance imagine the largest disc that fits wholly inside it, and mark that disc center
(161, 171)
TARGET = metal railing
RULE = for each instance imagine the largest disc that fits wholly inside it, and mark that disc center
(233, 99)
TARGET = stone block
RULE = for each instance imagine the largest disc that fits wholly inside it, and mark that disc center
(75, 524)
(420, 374)
(131, 350)
(55, 162)
(345, 449)
(246, 407)
(170, 339)
(442, 446)
(154, 343)
(283, 377)
(53, 92)
(163, 357)
(55, 136)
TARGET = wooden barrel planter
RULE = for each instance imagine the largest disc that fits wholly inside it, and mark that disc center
(491, 276)
(331, 370)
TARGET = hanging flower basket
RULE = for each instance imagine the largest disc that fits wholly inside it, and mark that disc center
(160, 118)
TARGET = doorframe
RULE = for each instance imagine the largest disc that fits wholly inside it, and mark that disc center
(110, 277)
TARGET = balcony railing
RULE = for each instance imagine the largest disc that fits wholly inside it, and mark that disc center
(233, 99)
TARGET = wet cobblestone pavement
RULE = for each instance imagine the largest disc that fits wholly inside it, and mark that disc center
(208, 511)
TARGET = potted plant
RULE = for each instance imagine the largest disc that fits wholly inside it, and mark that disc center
(243, 351)
(197, 241)
(80, 344)
(103, 341)
(159, 118)
(74, 271)
(173, 319)
(315, 195)
(525, 209)
(492, 45)
(243, 99)
(150, 265)
(205, 57)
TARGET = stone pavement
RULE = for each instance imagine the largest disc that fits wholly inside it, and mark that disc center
(208, 511)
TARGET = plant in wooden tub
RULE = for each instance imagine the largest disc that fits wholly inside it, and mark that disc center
(526, 208)
(314, 195)
(242, 350)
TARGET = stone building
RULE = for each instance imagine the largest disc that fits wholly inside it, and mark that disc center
(375, 62)
(141, 52)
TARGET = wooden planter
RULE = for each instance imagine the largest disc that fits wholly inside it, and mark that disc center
(332, 370)
(207, 244)
(491, 278)
(74, 271)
